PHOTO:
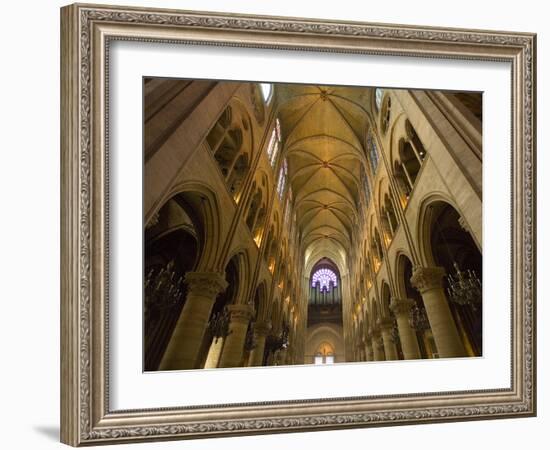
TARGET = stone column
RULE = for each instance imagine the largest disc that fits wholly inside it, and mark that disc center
(281, 357)
(214, 353)
(377, 345)
(183, 349)
(368, 351)
(409, 343)
(261, 330)
(233, 348)
(386, 326)
(359, 352)
(428, 281)
(380, 348)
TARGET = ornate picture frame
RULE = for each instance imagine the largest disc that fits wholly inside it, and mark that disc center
(87, 32)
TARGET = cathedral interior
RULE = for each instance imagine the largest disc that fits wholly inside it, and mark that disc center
(301, 224)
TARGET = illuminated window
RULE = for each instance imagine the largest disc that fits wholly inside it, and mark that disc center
(378, 94)
(288, 207)
(274, 143)
(325, 277)
(267, 91)
(281, 183)
(324, 357)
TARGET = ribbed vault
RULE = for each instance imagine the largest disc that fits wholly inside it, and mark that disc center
(324, 128)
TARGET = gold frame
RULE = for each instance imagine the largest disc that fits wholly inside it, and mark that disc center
(86, 31)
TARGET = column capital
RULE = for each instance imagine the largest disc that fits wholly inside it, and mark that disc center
(262, 328)
(427, 278)
(401, 305)
(240, 312)
(206, 283)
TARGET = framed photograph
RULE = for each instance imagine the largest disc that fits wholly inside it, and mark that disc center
(276, 225)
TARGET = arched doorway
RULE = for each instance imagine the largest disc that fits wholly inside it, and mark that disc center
(324, 316)
(324, 354)
(171, 250)
(418, 317)
(452, 247)
(218, 323)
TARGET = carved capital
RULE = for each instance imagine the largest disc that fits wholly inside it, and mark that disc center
(262, 328)
(208, 284)
(401, 306)
(240, 313)
(426, 278)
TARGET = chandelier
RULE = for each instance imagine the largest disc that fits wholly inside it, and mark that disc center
(250, 340)
(464, 287)
(280, 342)
(394, 333)
(418, 319)
(218, 325)
(163, 289)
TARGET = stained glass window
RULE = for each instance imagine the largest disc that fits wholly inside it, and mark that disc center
(326, 278)
(373, 152)
(267, 89)
(274, 143)
(281, 183)
(288, 206)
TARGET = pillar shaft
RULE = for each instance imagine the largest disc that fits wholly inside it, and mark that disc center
(257, 355)
(378, 347)
(368, 351)
(233, 348)
(390, 349)
(409, 343)
(183, 349)
(428, 281)
(281, 357)
(214, 353)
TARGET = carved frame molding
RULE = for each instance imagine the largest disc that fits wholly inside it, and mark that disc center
(86, 31)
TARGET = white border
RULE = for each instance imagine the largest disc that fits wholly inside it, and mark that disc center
(132, 389)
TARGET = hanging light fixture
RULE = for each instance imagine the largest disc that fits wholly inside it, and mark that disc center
(464, 287)
(250, 339)
(218, 325)
(418, 319)
(163, 289)
(394, 333)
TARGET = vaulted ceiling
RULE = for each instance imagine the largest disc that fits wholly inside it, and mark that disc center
(324, 129)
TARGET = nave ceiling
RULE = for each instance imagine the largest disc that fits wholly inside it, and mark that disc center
(324, 131)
